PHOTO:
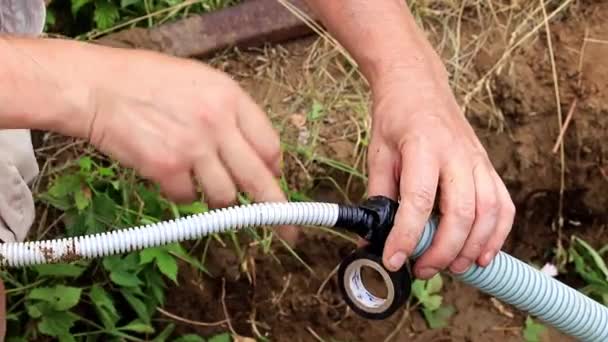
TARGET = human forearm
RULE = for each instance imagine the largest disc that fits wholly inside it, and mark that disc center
(55, 85)
(42, 83)
(380, 35)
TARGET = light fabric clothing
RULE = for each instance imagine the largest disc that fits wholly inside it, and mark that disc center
(18, 165)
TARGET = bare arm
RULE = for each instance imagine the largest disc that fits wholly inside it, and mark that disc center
(380, 35)
(39, 90)
(421, 141)
(168, 118)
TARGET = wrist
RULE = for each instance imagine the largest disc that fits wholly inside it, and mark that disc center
(43, 91)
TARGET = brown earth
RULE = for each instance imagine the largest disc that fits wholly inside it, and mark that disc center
(282, 300)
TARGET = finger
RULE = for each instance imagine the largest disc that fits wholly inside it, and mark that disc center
(418, 184)
(506, 216)
(178, 187)
(215, 181)
(486, 215)
(381, 165)
(458, 209)
(253, 176)
(259, 133)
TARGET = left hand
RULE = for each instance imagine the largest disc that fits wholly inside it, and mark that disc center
(421, 141)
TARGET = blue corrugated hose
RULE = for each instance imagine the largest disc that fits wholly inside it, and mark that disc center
(549, 300)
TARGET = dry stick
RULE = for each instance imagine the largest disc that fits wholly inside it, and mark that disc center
(574, 103)
(560, 122)
(406, 315)
(329, 276)
(559, 141)
(597, 41)
(314, 334)
(188, 321)
(225, 308)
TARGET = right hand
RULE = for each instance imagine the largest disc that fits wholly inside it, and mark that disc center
(179, 122)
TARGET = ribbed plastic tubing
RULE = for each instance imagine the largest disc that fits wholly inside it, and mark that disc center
(505, 278)
(529, 290)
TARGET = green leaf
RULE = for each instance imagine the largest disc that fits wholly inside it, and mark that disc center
(82, 199)
(419, 290)
(316, 111)
(168, 266)
(57, 323)
(149, 254)
(59, 270)
(138, 326)
(438, 318)
(85, 164)
(105, 208)
(432, 302)
(60, 297)
(597, 259)
(35, 310)
(189, 338)
(192, 209)
(106, 14)
(65, 185)
(138, 306)
(533, 331)
(225, 337)
(162, 337)
(155, 284)
(125, 278)
(125, 3)
(434, 284)
(106, 172)
(77, 5)
(165, 262)
(104, 306)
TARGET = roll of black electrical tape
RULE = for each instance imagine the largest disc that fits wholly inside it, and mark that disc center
(359, 298)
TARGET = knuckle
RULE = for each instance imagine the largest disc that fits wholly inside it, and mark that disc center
(488, 206)
(464, 210)
(223, 199)
(472, 250)
(164, 164)
(421, 199)
(211, 119)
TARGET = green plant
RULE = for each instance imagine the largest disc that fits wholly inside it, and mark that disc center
(590, 265)
(112, 298)
(427, 292)
(533, 331)
(83, 16)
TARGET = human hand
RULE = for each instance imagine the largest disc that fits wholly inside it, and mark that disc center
(174, 120)
(421, 141)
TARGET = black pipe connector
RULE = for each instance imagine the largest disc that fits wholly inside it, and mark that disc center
(372, 220)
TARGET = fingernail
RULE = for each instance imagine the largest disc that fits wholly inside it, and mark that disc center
(460, 265)
(397, 260)
(427, 273)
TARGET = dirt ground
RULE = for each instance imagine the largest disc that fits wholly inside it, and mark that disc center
(281, 299)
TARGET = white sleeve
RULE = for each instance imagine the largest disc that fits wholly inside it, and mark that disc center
(18, 165)
(25, 17)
